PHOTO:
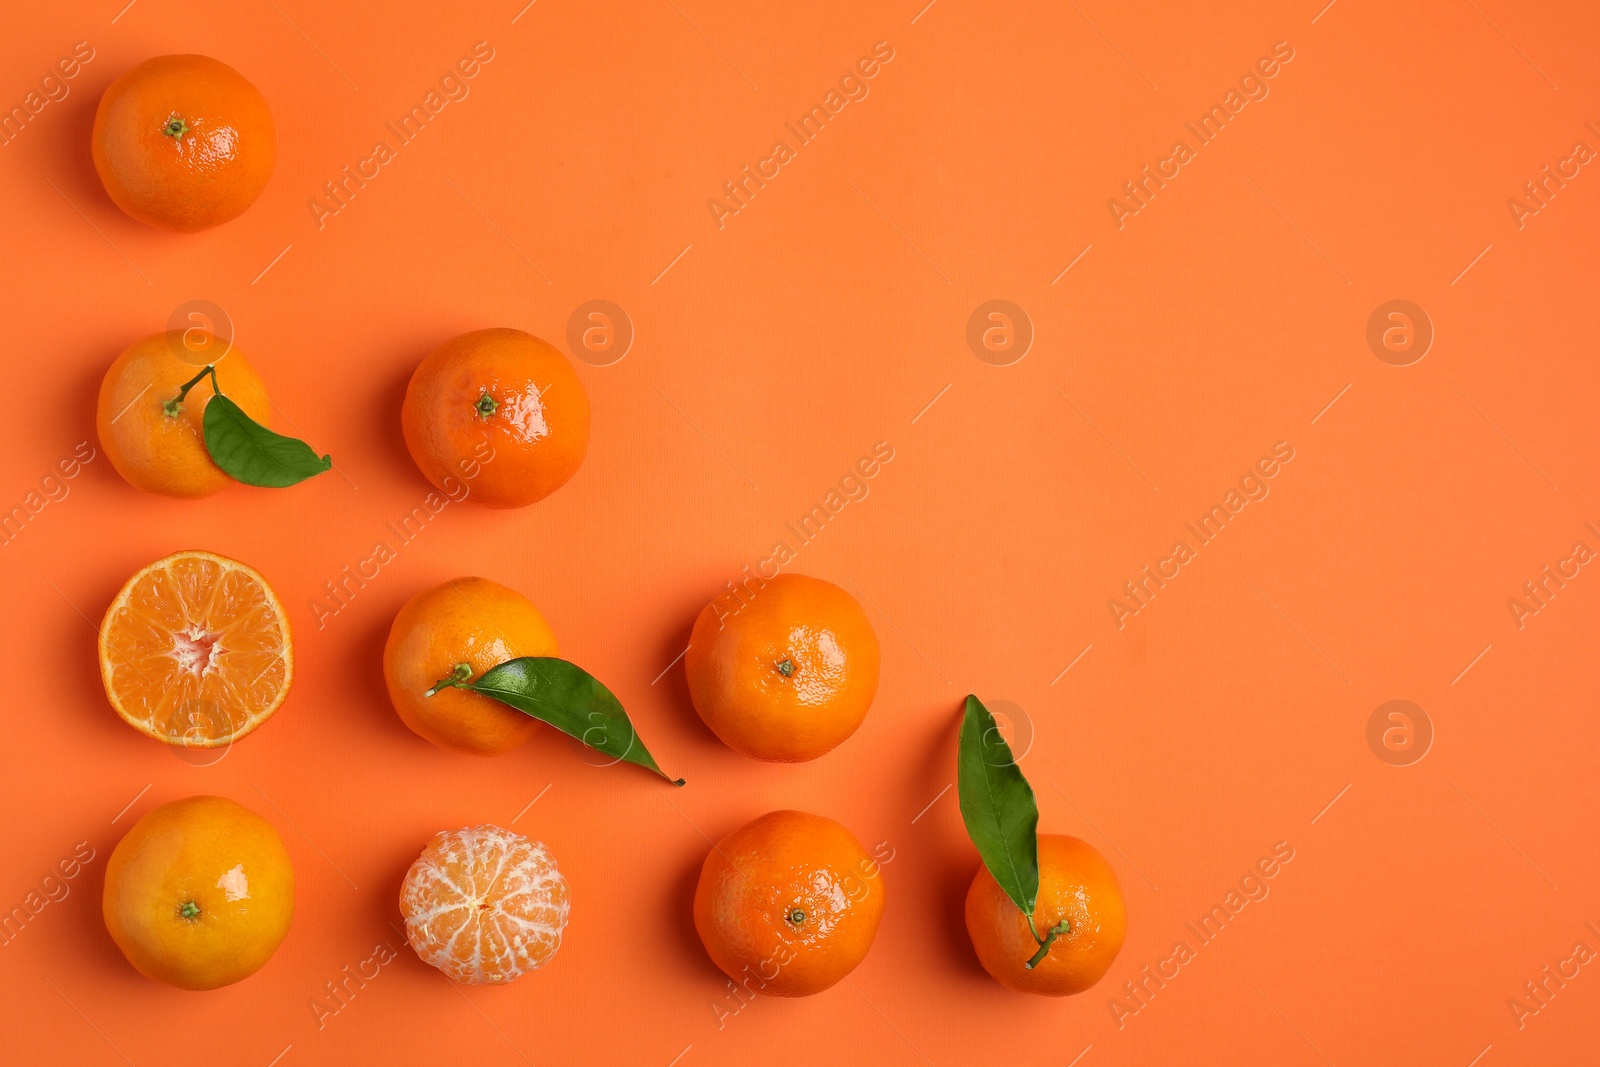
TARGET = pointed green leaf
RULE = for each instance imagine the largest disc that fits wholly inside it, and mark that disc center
(572, 700)
(248, 452)
(998, 807)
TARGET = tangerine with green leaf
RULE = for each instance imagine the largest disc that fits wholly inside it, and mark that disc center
(472, 666)
(1078, 888)
(157, 442)
(1045, 911)
(466, 620)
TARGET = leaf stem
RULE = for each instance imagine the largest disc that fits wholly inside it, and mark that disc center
(455, 678)
(1045, 942)
(171, 407)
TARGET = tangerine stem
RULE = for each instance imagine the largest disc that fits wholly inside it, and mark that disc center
(462, 672)
(171, 407)
(1049, 938)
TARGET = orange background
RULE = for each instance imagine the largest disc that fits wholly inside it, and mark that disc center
(772, 353)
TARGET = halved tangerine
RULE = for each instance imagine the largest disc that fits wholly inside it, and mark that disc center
(195, 651)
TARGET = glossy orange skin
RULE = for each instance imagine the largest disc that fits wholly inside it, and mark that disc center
(225, 860)
(527, 448)
(754, 880)
(167, 454)
(735, 658)
(1076, 883)
(200, 178)
(466, 620)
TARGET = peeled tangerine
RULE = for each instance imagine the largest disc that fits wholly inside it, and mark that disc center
(484, 905)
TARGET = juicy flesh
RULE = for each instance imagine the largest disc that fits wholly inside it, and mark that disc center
(196, 651)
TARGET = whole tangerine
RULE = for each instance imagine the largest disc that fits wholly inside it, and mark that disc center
(156, 443)
(789, 904)
(466, 620)
(199, 893)
(499, 411)
(183, 142)
(786, 675)
(1077, 885)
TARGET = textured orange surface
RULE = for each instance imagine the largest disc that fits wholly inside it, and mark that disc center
(1222, 731)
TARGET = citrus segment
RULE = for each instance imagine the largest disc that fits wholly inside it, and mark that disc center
(195, 650)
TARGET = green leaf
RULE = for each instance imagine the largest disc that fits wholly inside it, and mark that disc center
(998, 807)
(250, 453)
(572, 700)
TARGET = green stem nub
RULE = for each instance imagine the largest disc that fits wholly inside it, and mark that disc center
(175, 127)
(796, 916)
(487, 405)
(462, 672)
(170, 408)
(786, 668)
(189, 910)
(1049, 938)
